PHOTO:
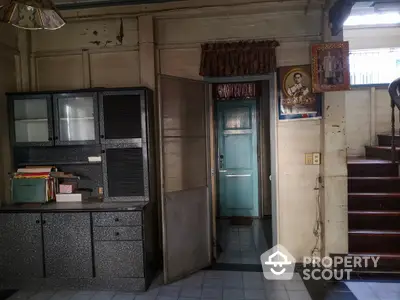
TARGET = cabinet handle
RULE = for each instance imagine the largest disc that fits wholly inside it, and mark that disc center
(50, 138)
(116, 220)
(117, 234)
(44, 222)
(102, 136)
(56, 138)
(37, 221)
(103, 151)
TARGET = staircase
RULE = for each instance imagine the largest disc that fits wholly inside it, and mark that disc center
(374, 205)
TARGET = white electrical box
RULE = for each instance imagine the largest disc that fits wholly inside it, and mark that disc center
(316, 158)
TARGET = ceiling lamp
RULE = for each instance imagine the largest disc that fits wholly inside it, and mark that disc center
(31, 14)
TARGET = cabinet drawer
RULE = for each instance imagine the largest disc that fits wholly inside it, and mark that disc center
(117, 233)
(118, 259)
(117, 219)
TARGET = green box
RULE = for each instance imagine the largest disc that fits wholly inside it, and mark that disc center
(29, 190)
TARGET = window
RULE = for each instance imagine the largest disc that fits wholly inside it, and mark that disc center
(374, 66)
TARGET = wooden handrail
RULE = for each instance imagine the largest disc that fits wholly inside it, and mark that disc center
(394, 92)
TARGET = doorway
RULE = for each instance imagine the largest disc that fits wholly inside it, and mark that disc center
(241, 158)
(187, 146)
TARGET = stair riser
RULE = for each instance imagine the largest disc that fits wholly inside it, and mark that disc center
(386, 140)
(372, 203)
(376, 153)
(373, 222)
(372, 170)
(373, 185)
(374, 244)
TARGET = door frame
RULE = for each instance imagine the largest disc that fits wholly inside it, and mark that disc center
(269, 96)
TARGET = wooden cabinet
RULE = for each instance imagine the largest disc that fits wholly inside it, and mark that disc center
(54, 119)
(31, 120)
(67, 245)
(125, 136)
(76, 119)
(113, 127)
(21, 249)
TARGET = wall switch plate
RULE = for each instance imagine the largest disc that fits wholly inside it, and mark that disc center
(309, 159)
(316, 158)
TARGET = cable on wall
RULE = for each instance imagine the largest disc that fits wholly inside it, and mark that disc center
(317, 230)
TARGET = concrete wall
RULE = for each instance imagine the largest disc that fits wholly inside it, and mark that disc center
(8, 46)
(87, 53)
(373, 37)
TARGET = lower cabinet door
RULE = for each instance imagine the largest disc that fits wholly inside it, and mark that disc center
(21, 250)
(118, 259)
(67, 245)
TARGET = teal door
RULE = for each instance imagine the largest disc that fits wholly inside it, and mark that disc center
(237, 158)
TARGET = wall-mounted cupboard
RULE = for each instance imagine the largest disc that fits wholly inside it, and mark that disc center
(105, 135)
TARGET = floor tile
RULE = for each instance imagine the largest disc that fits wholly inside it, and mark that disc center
(66, 295)
(233, 294)
(22, 295)
(169, 291)
(42, 295)
(191, 292)
(294, 285)
(211, 293)
(254, 294)
(103, 295)
(124, 296)
(299, 295)
(277, 295)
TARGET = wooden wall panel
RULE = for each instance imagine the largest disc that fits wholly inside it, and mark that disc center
(184, 163)
(181, 62)
(8, 36)
(59, 72)
(114, 69)
(7, 84)
(97, 34)
(262, 26)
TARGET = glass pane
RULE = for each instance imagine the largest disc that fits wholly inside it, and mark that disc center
(237, 118)
(76, 119)
(31, 120)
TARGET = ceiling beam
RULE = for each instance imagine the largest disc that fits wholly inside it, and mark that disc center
(65, 5)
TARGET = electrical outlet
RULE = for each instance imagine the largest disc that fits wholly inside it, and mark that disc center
(316, 158)
(309, 159)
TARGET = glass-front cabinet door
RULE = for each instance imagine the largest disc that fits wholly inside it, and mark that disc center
(33, 122)
(76, 119)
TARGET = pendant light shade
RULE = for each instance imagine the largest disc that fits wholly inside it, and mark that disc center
(31, 14)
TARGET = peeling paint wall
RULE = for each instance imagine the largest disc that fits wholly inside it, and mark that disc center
(8, 48)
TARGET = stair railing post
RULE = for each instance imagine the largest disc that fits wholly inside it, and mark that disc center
(394, 92)
(393, 134)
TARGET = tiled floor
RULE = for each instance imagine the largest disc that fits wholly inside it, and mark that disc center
(241, 244)
(369, 290)
(223, 285)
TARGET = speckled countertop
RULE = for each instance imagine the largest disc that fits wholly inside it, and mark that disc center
(75, 206)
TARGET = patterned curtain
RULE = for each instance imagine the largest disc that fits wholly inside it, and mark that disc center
(238, 58)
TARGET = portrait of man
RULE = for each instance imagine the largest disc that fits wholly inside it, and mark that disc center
(296, 98)
(330, 67)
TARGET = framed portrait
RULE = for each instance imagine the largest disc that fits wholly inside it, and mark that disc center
(296, 99)
(330, 67)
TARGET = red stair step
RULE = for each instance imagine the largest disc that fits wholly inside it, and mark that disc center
(374, 241)
(386, 140)
(388, 262)
(372, 168)
(381, 152)
(374, 201)
(373, 184)
(374, 220)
